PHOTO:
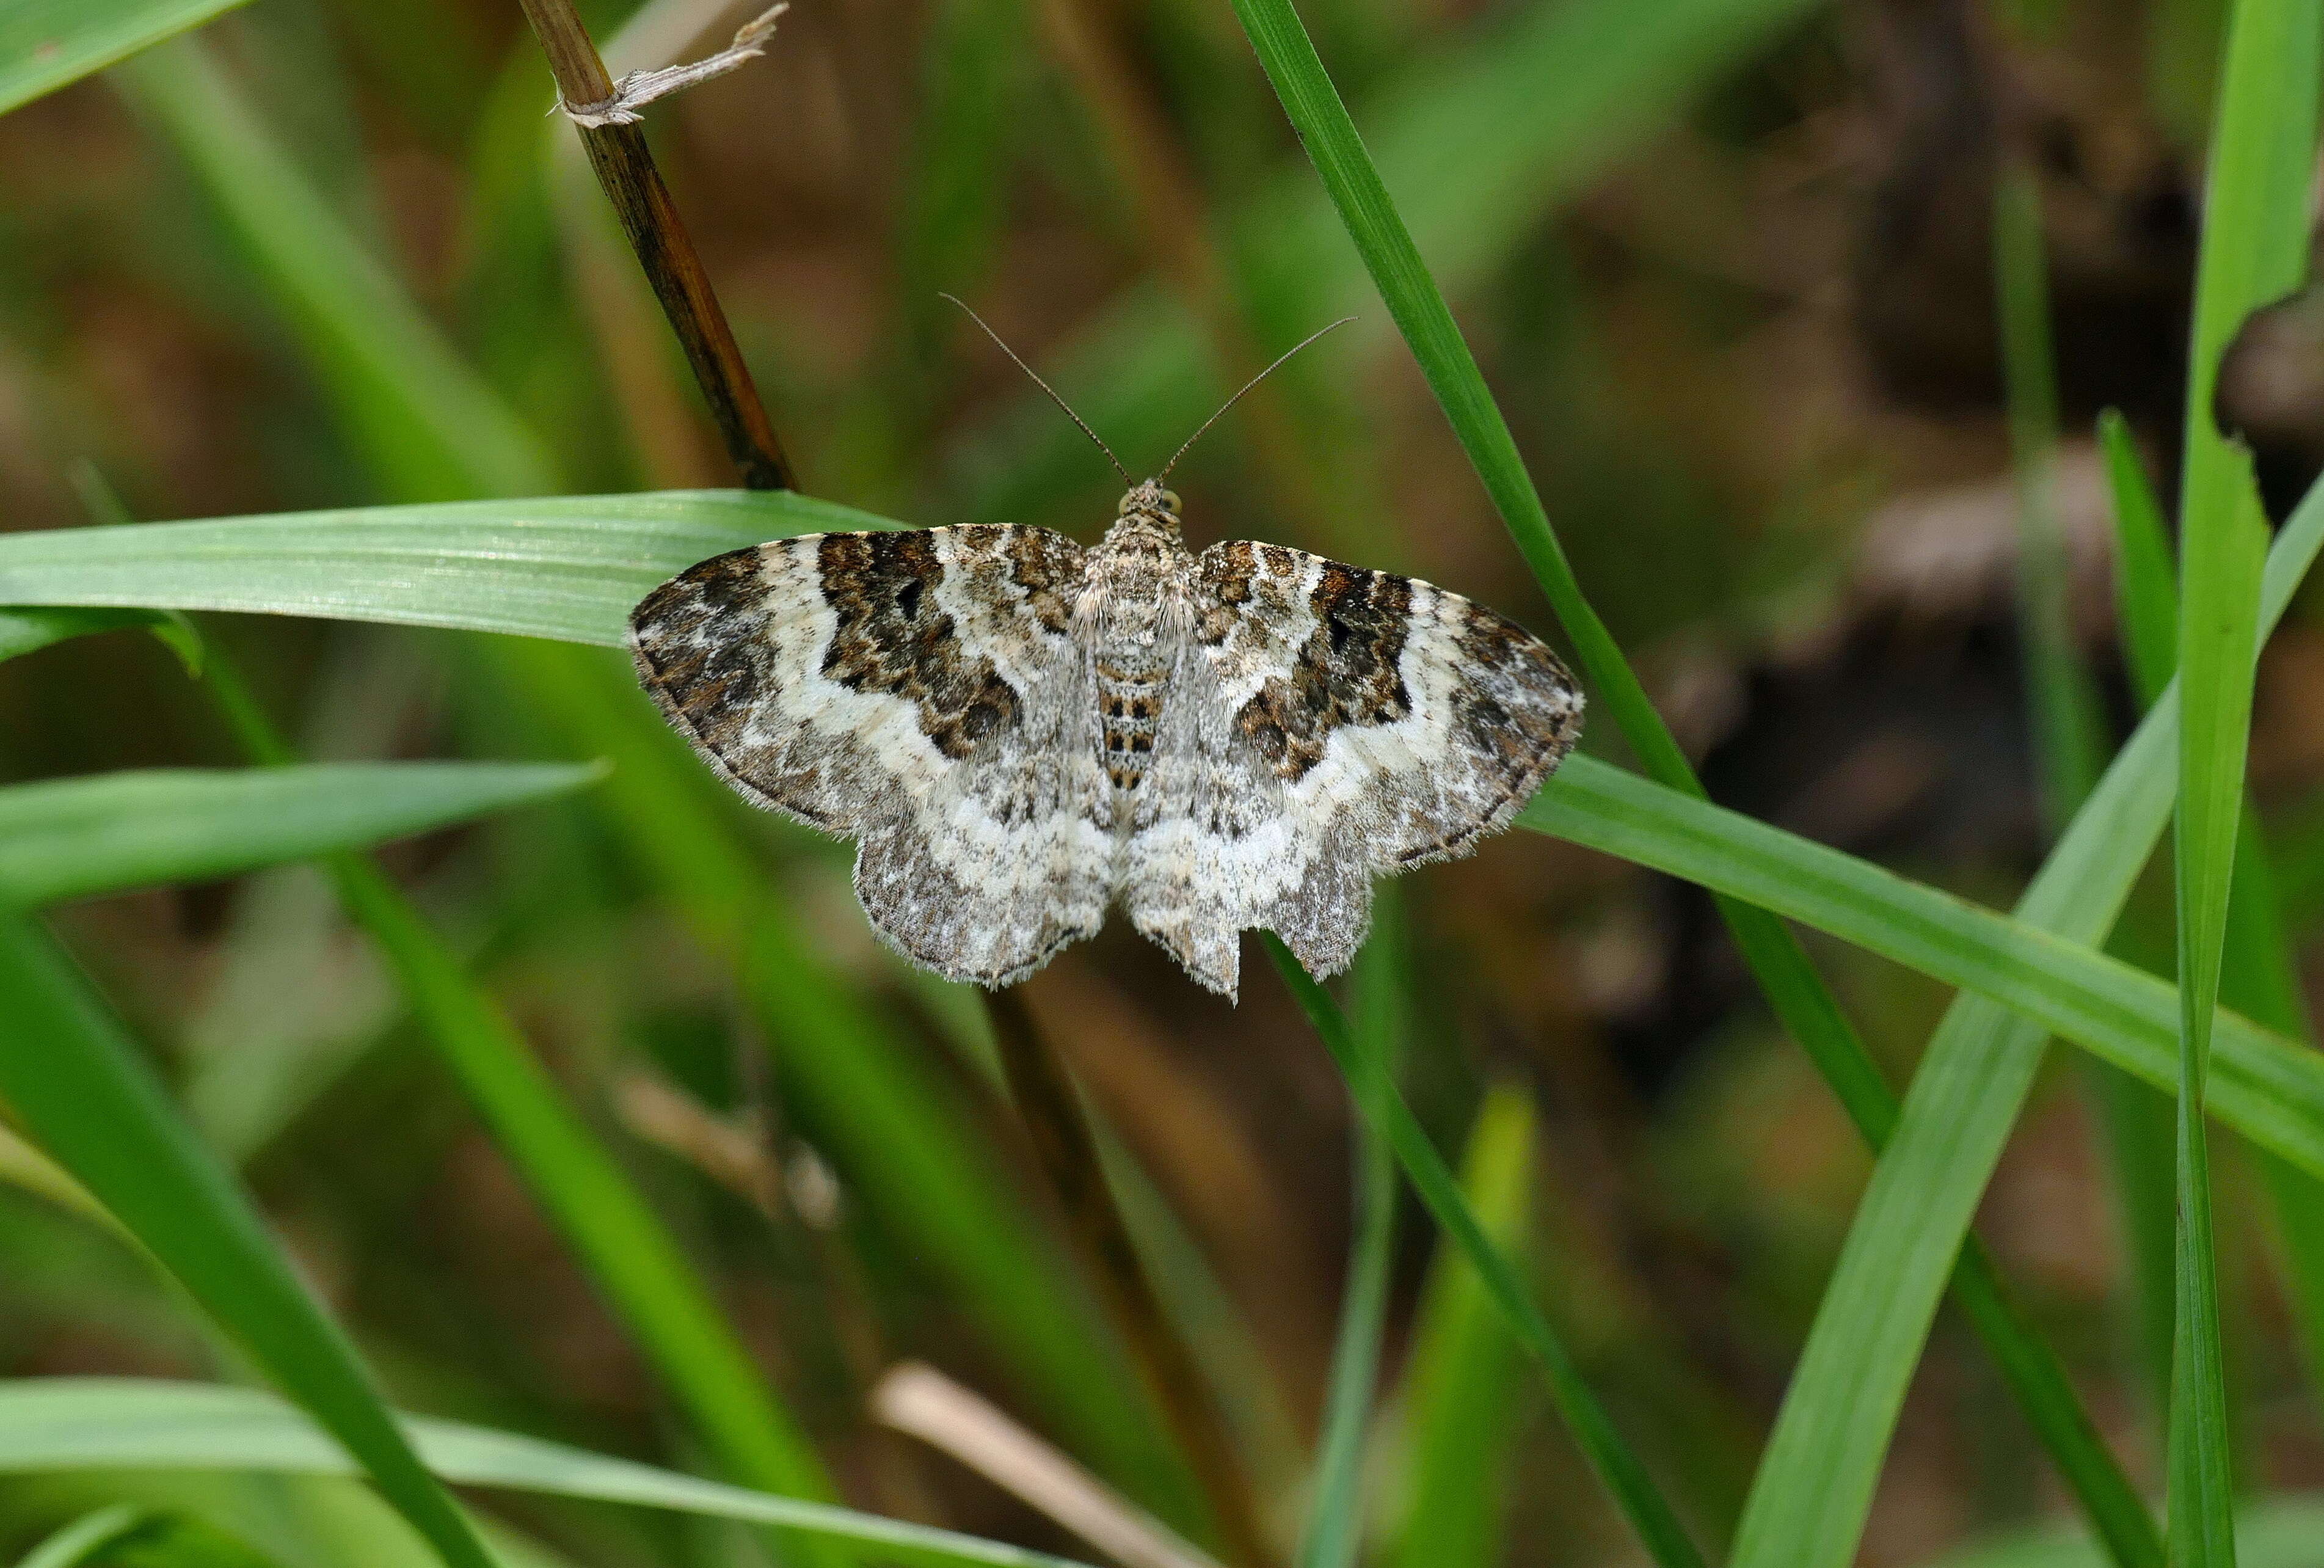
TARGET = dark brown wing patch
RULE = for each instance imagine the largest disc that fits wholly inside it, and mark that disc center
(893, 639)
(1345, 673)
(698, 655)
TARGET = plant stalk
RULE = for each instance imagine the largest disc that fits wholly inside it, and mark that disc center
(1067, 1151)
(626, 168)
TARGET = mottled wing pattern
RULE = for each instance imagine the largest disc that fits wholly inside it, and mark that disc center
(922, 691)
(1330, 724)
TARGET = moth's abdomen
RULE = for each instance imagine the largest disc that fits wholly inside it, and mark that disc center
(1131, 688)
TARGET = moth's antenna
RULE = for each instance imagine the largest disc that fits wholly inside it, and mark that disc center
(1045, 387)
(1253, 382)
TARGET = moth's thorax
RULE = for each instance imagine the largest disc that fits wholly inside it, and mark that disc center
(1146, 523)
(1138, 607)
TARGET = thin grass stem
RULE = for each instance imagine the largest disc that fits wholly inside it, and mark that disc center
(1066, 1149)
(625, 168)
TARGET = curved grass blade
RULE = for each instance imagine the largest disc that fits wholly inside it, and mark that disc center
(2066, 728)
(2267, 1087)
(1815, 1482)
(567, 567)
(1334, 1533)
(2255, 245)
(633, 1258)
(2258, 978)
(46, 45)
(90, 1534)
(79, 1084)
(1460, 1395)
(1384, 1111)
(2281, 1532)
(41, 626)
(2062, 700)
(1802, 1001)
(2145, 586)
(60, 1424)
(71, 838)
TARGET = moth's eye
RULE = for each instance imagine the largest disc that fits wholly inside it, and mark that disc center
(1121, 508)
(1170, 502)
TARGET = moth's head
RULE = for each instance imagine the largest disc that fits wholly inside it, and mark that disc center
(1150, 499)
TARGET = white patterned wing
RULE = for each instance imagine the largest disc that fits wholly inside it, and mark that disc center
(922, 691)
(1328, 724)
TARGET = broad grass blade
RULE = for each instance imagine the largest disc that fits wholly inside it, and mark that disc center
(565, 567)
(24, 631)
(82, 1089)
(80, 1541)
(72, 838)
(47, 45)
(63, 1424)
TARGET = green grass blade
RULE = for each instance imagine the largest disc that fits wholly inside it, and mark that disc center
(424, 421)
(63, 1424)
(2257, 978)
(2063, 703)
(72, 838)
(2145, 583)
(2279, 1531)
(24, 631)
(2255, 245)
(1460, 1394)
(1334, 1533)
(1383, 1110)
(2267, 1087)
(80, 1088)
(92, 1533)
(1814, 1485)
(2260, 979)
(634, 1260)
(2063, 719)
(567, 567)
(46, 45)
(1802, 1001)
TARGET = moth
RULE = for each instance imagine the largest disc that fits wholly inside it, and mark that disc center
(1022, 734)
